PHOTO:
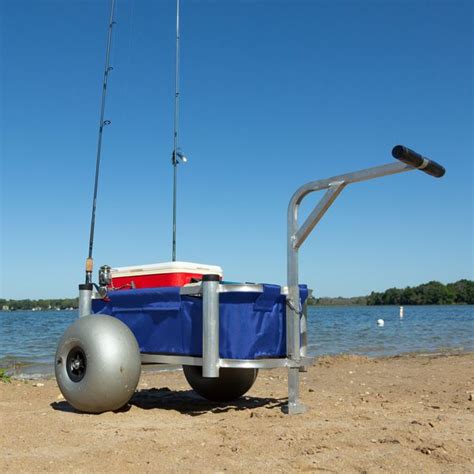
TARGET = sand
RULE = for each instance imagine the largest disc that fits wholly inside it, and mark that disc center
(402, 414)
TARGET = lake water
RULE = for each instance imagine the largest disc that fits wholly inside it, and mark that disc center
(28, 339)
(424, 329)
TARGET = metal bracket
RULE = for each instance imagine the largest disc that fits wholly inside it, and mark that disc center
(318, 212)
(290, 303)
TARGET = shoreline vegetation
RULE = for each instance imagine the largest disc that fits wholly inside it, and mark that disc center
(58, 304)
(431, 293)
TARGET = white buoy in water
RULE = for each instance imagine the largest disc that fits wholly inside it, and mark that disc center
(401, 311)
(380, 322)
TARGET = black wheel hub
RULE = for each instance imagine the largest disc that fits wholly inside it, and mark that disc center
(76, 364)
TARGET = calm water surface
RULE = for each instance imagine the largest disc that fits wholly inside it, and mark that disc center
(28, 339)
(343, 329)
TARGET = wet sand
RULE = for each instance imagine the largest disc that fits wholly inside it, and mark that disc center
(401, 414)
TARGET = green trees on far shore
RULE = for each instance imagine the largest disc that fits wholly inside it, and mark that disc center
(434, 292)
(38, 305)
(338, 301)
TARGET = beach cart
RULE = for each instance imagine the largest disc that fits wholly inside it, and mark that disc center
(222, 333)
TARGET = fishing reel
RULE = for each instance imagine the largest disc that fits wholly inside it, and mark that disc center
(105, 279)
(105, 276)
(105, 282)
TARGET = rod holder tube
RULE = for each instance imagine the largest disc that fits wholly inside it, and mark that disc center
(85, 299)
(210, 326)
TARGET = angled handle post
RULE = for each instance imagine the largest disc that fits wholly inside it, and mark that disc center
(295, 317)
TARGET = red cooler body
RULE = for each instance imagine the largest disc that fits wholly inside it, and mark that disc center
(160, 274)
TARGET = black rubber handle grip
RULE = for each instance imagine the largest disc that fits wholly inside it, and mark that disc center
(414, 159)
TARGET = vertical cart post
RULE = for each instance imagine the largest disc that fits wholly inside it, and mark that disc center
(295, 316)
(210, 326)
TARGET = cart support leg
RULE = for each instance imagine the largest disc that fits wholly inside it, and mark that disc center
(210, 326)
(85, 299)
(294, 406)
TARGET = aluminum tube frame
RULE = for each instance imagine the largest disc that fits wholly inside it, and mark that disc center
(295, 238)
(195, 289)
(85, 303)
(174, 360)
(210, 329)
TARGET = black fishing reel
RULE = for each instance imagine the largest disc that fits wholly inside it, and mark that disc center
(105, 276)
(105, 279)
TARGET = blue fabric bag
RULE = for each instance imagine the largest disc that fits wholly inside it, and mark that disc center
(252, 325)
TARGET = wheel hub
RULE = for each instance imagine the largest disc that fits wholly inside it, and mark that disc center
(76, 364)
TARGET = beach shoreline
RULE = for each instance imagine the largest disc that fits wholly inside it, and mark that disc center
(398, 413)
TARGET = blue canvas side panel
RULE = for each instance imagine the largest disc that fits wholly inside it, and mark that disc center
(252, 325)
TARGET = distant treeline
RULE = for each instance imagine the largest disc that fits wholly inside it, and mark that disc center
(433, 292)
(339, 301)
(38, 305)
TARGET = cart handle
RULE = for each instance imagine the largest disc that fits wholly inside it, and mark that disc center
(414, 159)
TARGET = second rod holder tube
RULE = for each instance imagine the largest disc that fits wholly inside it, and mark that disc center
(85, 299)
(210, 326)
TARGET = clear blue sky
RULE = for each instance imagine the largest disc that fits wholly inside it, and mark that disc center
(274, 94)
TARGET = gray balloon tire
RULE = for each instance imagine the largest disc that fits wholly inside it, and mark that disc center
(112, 364)
(230, 385)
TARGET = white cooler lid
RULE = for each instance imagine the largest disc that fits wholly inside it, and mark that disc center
(167, 267)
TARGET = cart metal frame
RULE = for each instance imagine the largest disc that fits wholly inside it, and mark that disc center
(209, 289)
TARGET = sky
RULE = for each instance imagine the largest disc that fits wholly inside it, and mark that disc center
(273, 94)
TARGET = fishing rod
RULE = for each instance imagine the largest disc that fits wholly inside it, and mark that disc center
(177, 156)
(102, 124)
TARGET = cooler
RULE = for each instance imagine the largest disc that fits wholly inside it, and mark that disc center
(160, 274)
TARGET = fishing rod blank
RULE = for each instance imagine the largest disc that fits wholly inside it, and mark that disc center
(102, 123)
(177, 156)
